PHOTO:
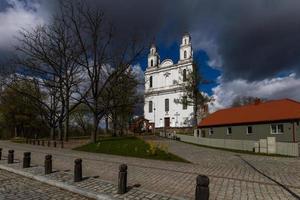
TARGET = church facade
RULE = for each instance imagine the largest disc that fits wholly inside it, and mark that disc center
(164, 88)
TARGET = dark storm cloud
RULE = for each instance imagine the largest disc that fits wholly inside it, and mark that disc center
(254, 39)
(262, 41)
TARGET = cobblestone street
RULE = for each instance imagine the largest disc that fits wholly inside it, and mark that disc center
(231, 176)
(14, 187)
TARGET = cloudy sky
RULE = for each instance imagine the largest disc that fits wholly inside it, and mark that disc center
(248, 48)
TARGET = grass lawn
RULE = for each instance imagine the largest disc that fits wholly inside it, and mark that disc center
(128, 146)
(18, 140)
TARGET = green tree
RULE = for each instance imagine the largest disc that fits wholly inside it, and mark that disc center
(82, 117)
(19, 114)
(122, 100)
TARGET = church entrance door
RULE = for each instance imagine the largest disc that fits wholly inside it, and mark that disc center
(167, 122)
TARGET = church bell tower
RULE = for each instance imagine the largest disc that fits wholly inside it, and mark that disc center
(186, 52)
(153, 57)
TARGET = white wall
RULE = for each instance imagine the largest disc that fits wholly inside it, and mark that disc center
(183, 118)
(167, 77)
(282, 148)
(166, 84)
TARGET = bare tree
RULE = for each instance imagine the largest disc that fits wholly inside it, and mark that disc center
(103, 60)
(246, 100)
(74, 60)
(49, 53)
(192, 95)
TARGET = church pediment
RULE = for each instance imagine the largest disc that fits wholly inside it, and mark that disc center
(166, 63)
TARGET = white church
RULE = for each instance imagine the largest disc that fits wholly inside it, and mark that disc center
(163, 85)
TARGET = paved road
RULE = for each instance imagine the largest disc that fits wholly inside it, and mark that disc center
(232, 176)
(15, 187)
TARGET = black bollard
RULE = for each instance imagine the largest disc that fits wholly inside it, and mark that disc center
(48, 143)
(26, 140)
(33, 142)
(0, 153)
(202, 189)
(38, 142)
(54, 144)
(78, 170)
(43, 143)
(48, 164)
(122, 182)
(10, 158)
(62, 144)
(26, 159)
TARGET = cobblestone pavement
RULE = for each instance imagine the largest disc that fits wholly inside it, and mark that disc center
(231, 176)
(15, 187)
(92, 185)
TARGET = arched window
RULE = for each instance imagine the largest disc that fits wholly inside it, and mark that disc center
(185, 41)
(166, 105)
(150, 81)
(184, 75)
(184, 55)
(151, 63)
(150, 106)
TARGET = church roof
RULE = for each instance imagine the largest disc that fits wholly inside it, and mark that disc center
(276, 110)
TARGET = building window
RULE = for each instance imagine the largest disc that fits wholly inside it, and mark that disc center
(203, 134)
(280, 128)
(211, 131)
(184, 103)
(151, 63)
(229, 130)
(150, 81)
(166, 105)
(276, 128)
(249, 130)
(184, 54)
(150, 106)
(184, 75)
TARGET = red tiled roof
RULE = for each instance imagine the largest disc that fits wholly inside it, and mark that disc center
(276, 110)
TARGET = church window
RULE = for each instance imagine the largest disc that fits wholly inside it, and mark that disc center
(184, 55)
(184, 103)
(166, 105)
(150, 106)
(151, 63)
(150, 82)
(185, 41)
(184, 75)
